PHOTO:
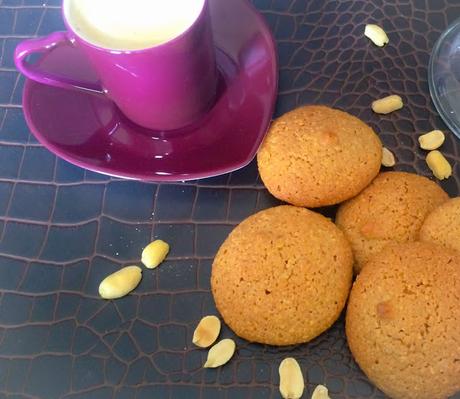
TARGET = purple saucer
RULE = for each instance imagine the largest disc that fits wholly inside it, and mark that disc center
(88, 130)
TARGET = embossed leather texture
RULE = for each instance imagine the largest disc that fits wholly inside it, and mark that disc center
(62, 228)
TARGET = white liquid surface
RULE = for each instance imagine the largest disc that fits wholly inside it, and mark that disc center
(131, 24)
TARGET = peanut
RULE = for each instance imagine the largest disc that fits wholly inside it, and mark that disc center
(320, 392)
(291, 379)
(373, 230)
(432, 140)
(376, 34)
(439, 165)
(388, 159)
(206, 332)
(385, 310)
(387, 105)
(120, 283)
(154, 253)
(220, 353)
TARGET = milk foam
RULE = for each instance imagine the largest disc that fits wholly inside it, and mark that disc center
(131, 24)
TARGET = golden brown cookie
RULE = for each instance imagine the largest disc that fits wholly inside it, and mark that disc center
(391, 209)
(282, 276)
(442, 226)
(403, 319)
(316, 156)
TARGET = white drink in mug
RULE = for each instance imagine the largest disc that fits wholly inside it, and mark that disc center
(131, 24)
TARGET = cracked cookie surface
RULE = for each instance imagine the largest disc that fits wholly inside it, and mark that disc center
(282, 276)
(316, 156)
(392, 209)
(402, 321)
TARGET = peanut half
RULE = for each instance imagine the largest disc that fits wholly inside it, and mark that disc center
(376, 34)
(206, 332)
(388, 159)
(154, 253)
(432, 140)
(320, 392)
(291, 379)
(220, 353)
(387, 105)
(120, 283)
(439, 165)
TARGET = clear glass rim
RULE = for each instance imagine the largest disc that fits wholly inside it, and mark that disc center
(452, 124)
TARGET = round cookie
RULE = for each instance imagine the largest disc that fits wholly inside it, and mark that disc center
(442, 226)
(282, 276)
(391, 209)
(317, 156)
(403, 319)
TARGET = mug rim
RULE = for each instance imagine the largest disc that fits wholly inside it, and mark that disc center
(176, 38)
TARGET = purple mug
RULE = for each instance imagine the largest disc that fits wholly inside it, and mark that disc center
(164, 87)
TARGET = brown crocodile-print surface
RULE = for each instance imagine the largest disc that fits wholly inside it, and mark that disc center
(62, 229)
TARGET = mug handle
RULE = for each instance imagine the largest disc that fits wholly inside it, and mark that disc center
(42, 45)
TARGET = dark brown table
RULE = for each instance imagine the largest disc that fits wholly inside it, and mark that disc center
(62, 228)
